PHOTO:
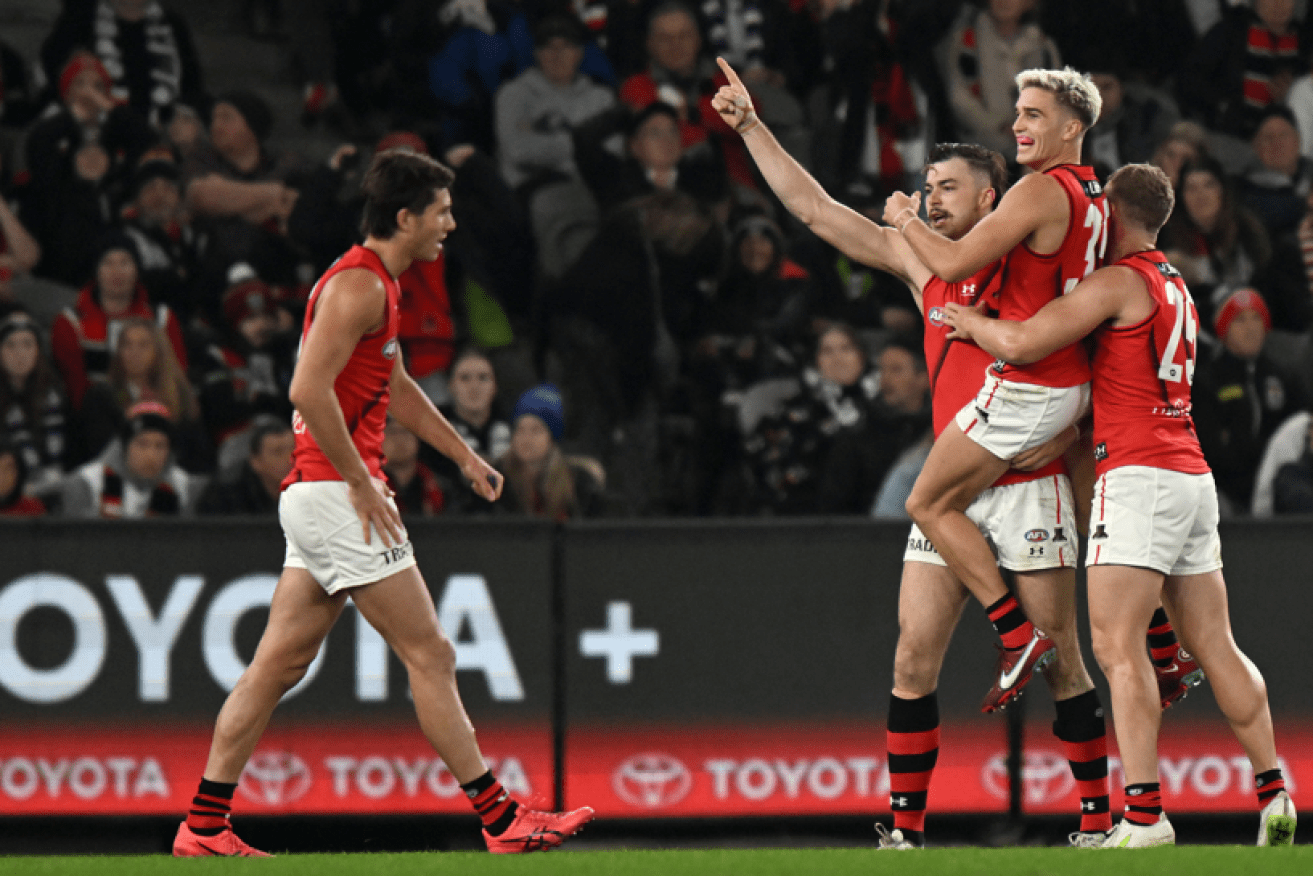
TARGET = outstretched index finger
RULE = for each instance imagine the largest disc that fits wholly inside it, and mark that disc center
(733, 77)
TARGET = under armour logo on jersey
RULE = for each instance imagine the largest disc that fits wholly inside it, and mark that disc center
(968, 290)
(999, 366)
(1099, 532)
(1058, 534)
(1101, 451)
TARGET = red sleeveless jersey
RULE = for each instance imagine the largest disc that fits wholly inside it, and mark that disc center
(957, 368)
(1142, 379)
(1034, 280)
(363, 387)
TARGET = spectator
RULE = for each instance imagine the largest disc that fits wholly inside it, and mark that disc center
(540, 480)
(147, 49)
(1134, 120)
(247, 371)
(414, 485)
(161, 229)
(20, 98)
(19, 251)
(1277, 186)
(1242, 65)
(1240, 397)
(259, 481)
(537, 110)
(899, 420)
(144, 368)
(15, 501)
(79, 157)
(984, 55)
(32, 405)
(476, 413)
(787, 452)
(1150, 39)
(84, 337)
(1185, 143)
(1215, 243)
(137, 477)
(239, 197)
(1292, 489)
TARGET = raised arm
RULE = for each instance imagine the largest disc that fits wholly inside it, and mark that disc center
(1106, 294)
(1036, 200)
(847, 230)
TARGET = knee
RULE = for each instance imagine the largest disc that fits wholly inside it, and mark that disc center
(1112, 653)
(916, 666)
(287, 669)
(431, 655)
(916, 506)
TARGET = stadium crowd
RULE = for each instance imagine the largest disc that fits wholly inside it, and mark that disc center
(626, 321)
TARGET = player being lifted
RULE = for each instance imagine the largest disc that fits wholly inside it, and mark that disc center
(344, 534)
(1154, 513)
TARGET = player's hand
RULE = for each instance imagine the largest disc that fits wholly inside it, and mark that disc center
(962, 319)
(371, 501)
(733, 102)
(1037, 457)
(484, 479)
(900, 208)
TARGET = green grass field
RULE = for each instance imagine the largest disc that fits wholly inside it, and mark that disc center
(1192, 860)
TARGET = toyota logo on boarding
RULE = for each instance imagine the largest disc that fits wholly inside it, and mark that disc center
(275, 778)
(1045, 777)
(652, 780)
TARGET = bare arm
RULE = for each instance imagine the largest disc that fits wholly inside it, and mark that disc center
(212, 195)
(1036, 201)
(23, 247)
(416, 412)
(850, 232)
(1106, 294)
(350, 305)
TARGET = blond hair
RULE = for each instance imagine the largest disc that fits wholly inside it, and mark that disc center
(165, 383)
(1071, 88)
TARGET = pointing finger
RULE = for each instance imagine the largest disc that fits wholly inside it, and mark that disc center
(733, 77)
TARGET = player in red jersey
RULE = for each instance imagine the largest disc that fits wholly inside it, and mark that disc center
(1154, 513)
(344, 534)
(1052, 227)
(962, 184)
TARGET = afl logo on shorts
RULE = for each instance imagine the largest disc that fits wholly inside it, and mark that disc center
(936, 316)
(390, 349)
(1037, 535)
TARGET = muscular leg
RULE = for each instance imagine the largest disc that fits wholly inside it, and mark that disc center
(300, 616)
(956, 472)
(402, 611)
(930, 602)
(1122, 600)
(1197, 605)
(1049, 600)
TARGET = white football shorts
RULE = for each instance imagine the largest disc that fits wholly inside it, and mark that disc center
(324, 537)
(1031, 526)
(1156, 519)
(1009, 418)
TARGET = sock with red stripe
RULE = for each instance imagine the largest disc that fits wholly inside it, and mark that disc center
(493, 802)
(1268, 783)
(210, 808)
(1084, 735)
(1010, 622)
(1162, 639)
(1144, 803)
(913, 747)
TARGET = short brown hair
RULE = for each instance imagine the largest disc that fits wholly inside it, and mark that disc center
(985, 163)
(1143, 194)
(399, 179)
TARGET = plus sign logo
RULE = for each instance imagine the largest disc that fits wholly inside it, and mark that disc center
(619, 643)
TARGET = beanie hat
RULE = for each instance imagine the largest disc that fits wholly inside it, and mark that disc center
(81, 60)
(1236, 303)
(562, 25)
(248, 298)
(402, 140)
(147, 416)
(154, 168)
(117, 239)
(544, 402)
(19, 322)
(259, 118)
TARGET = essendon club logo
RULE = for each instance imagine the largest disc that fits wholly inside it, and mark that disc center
(652, 780)
(1099, 531)
(275, 778)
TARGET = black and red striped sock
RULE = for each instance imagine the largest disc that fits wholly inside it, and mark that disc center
(1269, 784)
(1162, 639)
(1084, 735)
(913, 748)
(1144, 803)
(493, 802)
(1010, 622)
(210, 808)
